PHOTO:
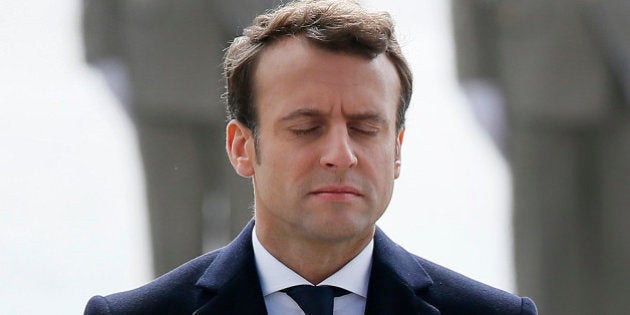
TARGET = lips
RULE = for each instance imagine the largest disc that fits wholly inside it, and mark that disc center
(338, 193)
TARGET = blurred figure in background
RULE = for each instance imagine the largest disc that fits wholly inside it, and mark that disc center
(561, 69)
(162, 59)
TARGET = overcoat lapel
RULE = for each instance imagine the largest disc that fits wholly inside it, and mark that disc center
(397, 281)
(231, 281)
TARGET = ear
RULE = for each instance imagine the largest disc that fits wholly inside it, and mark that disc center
(399, 141)
(240, 148)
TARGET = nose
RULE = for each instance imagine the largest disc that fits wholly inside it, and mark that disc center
(338, 153)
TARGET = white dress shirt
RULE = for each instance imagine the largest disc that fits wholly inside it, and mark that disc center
(275, 276)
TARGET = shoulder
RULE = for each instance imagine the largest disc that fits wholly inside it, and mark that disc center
(172, 293)
(443, 289)
(454, 293)
(189, 287)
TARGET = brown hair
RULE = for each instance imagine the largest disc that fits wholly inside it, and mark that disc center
(337, 25)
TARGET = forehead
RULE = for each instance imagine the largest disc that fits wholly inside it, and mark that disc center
(294, 73)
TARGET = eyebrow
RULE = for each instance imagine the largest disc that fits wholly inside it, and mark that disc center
(307, 112)
(303, 112)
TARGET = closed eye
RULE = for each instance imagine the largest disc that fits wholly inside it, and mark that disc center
(304, 131)
(364, 130)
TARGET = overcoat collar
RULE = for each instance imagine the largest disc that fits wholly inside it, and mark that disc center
(232, 280)
(397, 281)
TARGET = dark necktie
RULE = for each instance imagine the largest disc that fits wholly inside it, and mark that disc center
(315, 300)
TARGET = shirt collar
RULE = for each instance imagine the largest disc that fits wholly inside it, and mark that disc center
(275, 276)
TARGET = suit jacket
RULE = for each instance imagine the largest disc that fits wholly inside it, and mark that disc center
(225, 281)
(561, 62)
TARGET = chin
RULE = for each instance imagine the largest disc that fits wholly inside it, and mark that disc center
(342, 229)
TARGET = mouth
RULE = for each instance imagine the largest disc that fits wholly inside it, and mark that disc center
(337, 193)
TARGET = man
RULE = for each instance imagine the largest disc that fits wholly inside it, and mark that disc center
(161, 59)
(317, 93)
(563, 69)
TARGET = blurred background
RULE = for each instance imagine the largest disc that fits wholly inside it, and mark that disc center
(88, 172)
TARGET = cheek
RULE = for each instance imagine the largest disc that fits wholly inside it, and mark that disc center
(381, 157)
(290, 168)
(379, 173)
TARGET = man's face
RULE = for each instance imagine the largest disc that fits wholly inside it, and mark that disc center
(328, 148)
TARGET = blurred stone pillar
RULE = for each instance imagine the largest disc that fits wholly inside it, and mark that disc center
(562, 69)
(162, 59)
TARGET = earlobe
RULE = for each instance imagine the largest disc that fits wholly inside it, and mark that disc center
(238, 138)
(397, 162)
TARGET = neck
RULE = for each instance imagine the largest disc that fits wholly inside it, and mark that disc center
(314, 260)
